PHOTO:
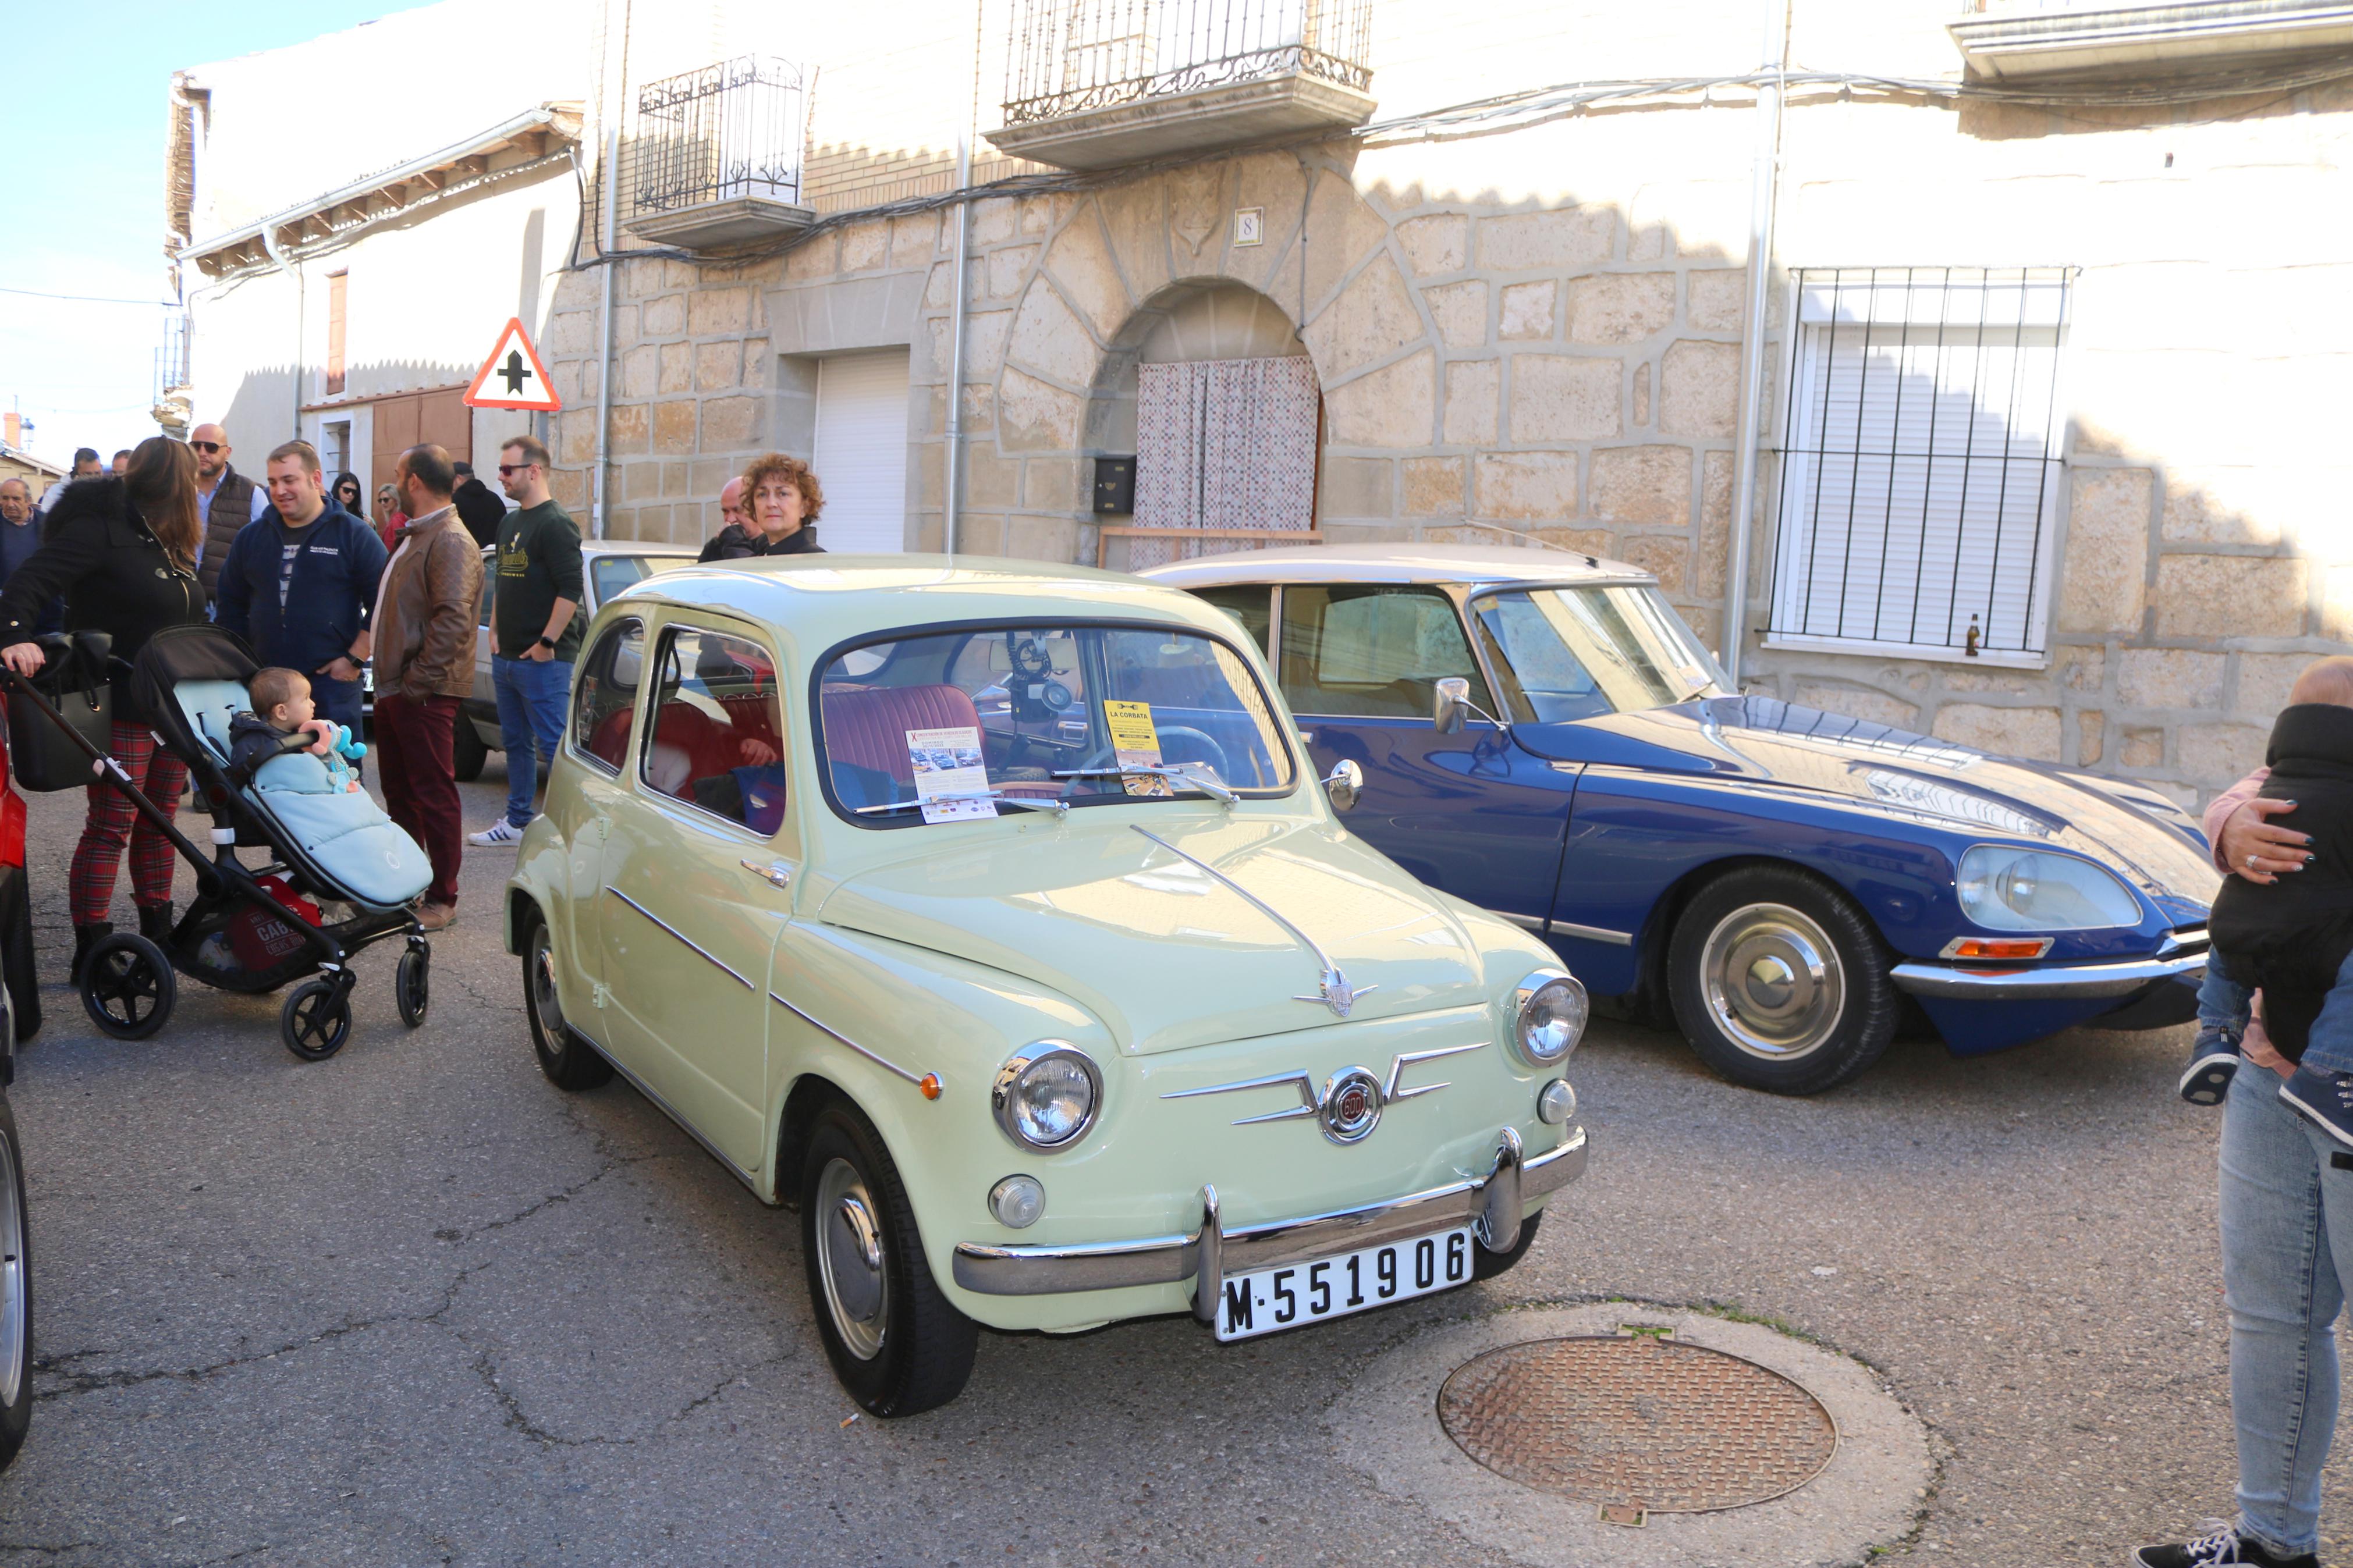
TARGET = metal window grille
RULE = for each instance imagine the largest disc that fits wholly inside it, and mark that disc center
(725, 131)
(1071, 55)
(171, 358)
(1922, 462)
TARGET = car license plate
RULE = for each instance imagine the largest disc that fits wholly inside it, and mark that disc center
(1275, 1299)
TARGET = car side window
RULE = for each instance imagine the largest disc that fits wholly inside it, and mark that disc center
(489, 588)
(1375, 651)
(717, 738)
(608, 575)
(1251, 607)
(605, 698)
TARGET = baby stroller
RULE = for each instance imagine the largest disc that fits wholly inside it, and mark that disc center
(253, 930)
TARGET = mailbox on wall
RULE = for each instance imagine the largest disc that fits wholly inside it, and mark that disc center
(1114, 485)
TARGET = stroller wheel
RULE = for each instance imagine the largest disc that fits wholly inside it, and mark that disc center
(412, 985)
(316, 1020)
(128, 987)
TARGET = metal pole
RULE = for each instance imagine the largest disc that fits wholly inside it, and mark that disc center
(605, 343)
(1765, 179)
(956, 350)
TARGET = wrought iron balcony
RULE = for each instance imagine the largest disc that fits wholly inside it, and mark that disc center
(2028, 39)
(715, 159)
(1091, 84)
(172, 405)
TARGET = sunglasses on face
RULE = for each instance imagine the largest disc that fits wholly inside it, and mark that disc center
(205, 446)
(508, 470)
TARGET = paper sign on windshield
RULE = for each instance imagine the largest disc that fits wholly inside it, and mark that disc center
(949, 763)
(1137, 745)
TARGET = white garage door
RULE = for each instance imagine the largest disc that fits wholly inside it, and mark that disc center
(862, 451)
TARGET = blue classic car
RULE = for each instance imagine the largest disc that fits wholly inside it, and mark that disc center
(1540, 733)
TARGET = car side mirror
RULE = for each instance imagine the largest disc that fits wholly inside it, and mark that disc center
(1452, 706)
(1345, 784)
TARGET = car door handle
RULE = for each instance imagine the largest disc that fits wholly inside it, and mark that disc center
(775, 872)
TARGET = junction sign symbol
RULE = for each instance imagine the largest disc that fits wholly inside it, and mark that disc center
(513, 377)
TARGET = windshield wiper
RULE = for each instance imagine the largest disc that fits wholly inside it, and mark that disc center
(1186, 776)
(1059, 807)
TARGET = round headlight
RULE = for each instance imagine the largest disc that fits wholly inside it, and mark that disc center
(2004, 888)
(1552, 1015)
(1046, 1096)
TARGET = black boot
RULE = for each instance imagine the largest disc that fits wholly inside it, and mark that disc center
(155, 923)
(84, 937)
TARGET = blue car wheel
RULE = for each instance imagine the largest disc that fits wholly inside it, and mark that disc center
(1778, 983)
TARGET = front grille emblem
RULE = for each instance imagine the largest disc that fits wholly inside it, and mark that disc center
(1350, 1103)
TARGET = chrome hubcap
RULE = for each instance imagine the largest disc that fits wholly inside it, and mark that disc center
(12, 1280)
(543, 995)
(1773, 981)
(849, 1260)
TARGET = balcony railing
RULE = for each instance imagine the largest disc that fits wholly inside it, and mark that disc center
(2014, 38)
(170, 408)
(1094, 84)
(1072, 56)
(720, 145)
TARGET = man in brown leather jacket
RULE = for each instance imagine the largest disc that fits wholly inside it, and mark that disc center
(424, 656)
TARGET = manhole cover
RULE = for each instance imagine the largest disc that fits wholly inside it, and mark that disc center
(1674, 1428)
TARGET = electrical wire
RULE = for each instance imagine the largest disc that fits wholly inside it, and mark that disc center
(92, 299)
(1536, 106)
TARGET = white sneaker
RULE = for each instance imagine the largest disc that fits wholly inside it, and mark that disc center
(498, 834)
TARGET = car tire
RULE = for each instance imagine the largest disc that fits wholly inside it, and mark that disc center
(896, 1343)
(1779, 983)
(467, 752)
(1486, 1265)
(570, 1063)
(16, 1293)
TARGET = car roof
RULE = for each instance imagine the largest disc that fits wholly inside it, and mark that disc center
(627, 547)
(1396, 563)
(826, 598)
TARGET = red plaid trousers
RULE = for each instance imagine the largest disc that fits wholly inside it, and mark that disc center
(112, 821)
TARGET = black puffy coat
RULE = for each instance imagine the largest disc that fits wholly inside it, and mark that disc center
(113, 572)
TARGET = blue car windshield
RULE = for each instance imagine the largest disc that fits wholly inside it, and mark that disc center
(990, 721)
(1565, 654)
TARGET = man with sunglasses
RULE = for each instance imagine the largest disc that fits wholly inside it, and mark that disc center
(226, 500)
(534, 630)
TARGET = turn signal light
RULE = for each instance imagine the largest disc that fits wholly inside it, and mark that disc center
(1997, 947)
(929, 1085)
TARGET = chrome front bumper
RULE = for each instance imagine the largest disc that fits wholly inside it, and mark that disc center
(2183, 956)
(1491, 1202)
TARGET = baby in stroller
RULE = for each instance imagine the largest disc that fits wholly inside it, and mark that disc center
(282, 708)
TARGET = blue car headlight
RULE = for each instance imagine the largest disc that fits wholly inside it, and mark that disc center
(2006, 888)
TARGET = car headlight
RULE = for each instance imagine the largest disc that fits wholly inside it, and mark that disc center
(1551, 1018)
(1046, 1096)
(2003, 888)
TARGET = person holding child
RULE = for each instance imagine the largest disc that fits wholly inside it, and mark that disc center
(123, 552)
(2278, 994)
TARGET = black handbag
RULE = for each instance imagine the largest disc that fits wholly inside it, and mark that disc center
(73, 685)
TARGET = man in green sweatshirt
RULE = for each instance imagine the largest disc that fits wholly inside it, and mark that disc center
(534, 629)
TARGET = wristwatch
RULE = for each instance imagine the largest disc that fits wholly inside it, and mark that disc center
(548, 643)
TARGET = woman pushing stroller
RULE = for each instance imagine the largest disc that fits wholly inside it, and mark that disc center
(123, 551)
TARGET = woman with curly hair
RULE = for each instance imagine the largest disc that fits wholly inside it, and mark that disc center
(782, 499)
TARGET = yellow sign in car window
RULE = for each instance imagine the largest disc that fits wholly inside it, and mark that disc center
(1136, 744)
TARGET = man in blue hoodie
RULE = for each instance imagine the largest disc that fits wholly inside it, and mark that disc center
(299, 584)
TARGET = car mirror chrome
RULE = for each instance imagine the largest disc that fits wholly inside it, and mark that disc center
(1343, 784)
(1453, 705)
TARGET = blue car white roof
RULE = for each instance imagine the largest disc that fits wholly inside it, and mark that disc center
(1396, 563)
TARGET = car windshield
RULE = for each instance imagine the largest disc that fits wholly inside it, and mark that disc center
(992, 722)
(1563, 654)
(608, 575)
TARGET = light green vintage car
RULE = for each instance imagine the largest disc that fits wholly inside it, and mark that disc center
(992, 916)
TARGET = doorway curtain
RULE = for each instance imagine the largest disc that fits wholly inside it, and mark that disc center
(1223, 443)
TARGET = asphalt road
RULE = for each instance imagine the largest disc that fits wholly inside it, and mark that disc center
(414, 1306)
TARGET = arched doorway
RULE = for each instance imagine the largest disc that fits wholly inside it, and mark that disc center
(1209, 386)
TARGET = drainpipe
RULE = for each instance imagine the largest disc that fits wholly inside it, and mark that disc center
(612, 172)
(287, 264)
(1765, 183)
(956, 350)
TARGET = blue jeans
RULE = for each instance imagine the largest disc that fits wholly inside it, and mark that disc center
(2222, 1002)
(2286, 1212)
(533, 694)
